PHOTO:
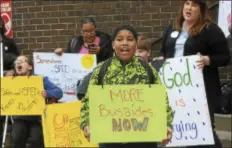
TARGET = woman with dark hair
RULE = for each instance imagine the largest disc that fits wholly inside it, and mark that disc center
(90, 42)
(10, 49)
(129, 70)
(194, 33)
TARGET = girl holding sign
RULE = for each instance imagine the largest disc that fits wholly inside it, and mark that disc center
(30, 126)
(194, 33)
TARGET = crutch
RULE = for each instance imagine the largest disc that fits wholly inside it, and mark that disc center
(5, 130)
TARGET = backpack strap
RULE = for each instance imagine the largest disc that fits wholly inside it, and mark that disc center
(103, 70)
(150, 74)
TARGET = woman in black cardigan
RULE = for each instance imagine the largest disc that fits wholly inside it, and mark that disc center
(194, 33)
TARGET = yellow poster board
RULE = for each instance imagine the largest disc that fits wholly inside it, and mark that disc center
(22, 95)
(127, 113)
(61, 126)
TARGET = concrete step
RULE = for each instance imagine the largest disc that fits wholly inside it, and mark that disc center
(223, 122)
(223, 129)
(224, 135)
(226, 143)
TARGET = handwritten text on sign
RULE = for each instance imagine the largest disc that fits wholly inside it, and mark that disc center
(127, 113)
(61, 126)
(186, 93)
(22, 95)
(65, 71)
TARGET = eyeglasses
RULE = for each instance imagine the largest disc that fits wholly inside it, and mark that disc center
(91, 31)
(19, 62)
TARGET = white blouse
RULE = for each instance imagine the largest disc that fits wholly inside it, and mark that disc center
(180, 42)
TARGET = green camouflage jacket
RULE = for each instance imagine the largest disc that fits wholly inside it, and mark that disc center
(117, 73)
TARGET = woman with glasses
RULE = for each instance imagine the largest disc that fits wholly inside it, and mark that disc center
(90, 42)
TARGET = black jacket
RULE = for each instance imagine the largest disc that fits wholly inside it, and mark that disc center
(82, 86)
(106, 50)
(10, 52)
(229, 41)
(211, 42)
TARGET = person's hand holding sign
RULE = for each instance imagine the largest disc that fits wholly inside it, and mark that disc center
(169, 136)
(44, 94)
(203, 61)
(59, 51)
(86, 131)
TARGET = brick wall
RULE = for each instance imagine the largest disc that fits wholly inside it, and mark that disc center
(50, 24)
(45, 25)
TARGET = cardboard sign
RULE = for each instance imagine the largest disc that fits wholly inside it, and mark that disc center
(187, 97)
(127, 113)
(22, 95)
(61, 126)
(66, 71)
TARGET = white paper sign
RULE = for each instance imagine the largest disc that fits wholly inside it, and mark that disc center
(64, 71)
(224, 16)
(187, 97)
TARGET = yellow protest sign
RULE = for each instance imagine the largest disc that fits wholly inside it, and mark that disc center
(61, 126)
(127, 113)
(22, 95)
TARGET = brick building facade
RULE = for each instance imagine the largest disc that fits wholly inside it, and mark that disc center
(40, 25)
